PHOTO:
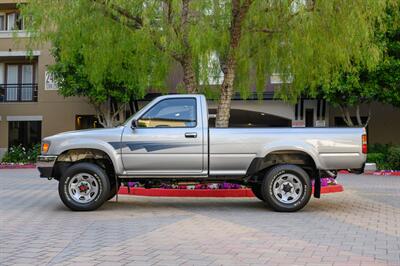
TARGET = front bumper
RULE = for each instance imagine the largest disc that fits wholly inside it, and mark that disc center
(45, 165)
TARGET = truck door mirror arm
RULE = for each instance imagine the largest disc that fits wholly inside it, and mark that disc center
(134, 124)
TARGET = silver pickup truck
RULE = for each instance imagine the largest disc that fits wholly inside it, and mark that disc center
(169, 141)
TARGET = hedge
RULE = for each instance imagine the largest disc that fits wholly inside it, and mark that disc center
(386, 157)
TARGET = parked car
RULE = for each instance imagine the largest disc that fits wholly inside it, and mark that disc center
(169, 140)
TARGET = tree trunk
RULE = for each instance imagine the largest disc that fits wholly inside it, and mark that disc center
(360, 123)
(109, 114)
(238, 15)
(187, 62)
(224, 105)
(189, 78)
(104, 120)
(133, 106)
(346, 116)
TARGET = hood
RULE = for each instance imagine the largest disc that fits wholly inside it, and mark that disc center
(96, 132)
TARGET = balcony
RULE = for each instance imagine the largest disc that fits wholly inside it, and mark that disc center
(24, 92)
(4, 34)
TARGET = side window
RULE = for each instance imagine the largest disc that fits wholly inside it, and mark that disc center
(171, 113)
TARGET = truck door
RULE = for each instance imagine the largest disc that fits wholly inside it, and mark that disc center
(167, 139)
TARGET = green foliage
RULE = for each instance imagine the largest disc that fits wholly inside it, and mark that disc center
(20, 154)
(134, 43)
(364, 83)
(308, 42)
(378, 148)
(96, 56)
(378, 158)
(74, 80)
(393, 157)
(386, 157)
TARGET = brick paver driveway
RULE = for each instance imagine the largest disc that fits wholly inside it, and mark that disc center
(357, 227)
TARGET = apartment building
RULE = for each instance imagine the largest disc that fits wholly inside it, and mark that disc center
(31, 108)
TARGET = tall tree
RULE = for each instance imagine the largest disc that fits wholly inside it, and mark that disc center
(171, 29)
(156, 28)
(98, 53)
(306, 41)
(363, 85)
(239, 11)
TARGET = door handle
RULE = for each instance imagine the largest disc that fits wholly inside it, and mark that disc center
(190, 135)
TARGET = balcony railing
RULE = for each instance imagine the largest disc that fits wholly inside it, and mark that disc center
(26, 92)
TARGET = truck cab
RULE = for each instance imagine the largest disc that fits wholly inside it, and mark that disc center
(169, 137)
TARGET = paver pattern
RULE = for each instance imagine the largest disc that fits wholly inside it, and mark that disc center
(360, 226)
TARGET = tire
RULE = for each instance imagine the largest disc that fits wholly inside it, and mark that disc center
(113, 191)
(256, 189)
(286, 188)
(84, 187)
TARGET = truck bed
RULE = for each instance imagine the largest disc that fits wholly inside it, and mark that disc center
(233, 149)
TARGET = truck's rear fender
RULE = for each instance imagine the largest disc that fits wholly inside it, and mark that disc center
(89, 148)
(299, 146)
(281, 153)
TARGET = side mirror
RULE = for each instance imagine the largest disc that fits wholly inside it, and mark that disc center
(134, 124)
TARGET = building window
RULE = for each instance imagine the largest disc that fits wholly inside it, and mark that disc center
(2, 22)
(86, 122)
(25, 133)
(19, 83)
(12, 78)
(27, 78)
(11, 21)
(14, 21)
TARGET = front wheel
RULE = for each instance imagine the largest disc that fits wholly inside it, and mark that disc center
(286, 188)
(84, 187)
(113, 190)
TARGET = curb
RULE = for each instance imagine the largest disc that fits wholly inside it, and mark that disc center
(205, 193)
(17, 166)
(380, 173)
(384, 173)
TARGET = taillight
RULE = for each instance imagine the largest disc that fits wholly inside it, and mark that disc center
(364, 144)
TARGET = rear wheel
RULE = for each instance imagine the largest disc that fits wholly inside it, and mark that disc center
(286, 188)
(84, 187)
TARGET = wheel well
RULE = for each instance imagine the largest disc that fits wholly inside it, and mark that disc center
(302, 159)
(73, 156)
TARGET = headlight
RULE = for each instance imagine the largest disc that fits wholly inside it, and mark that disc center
(45, 147)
